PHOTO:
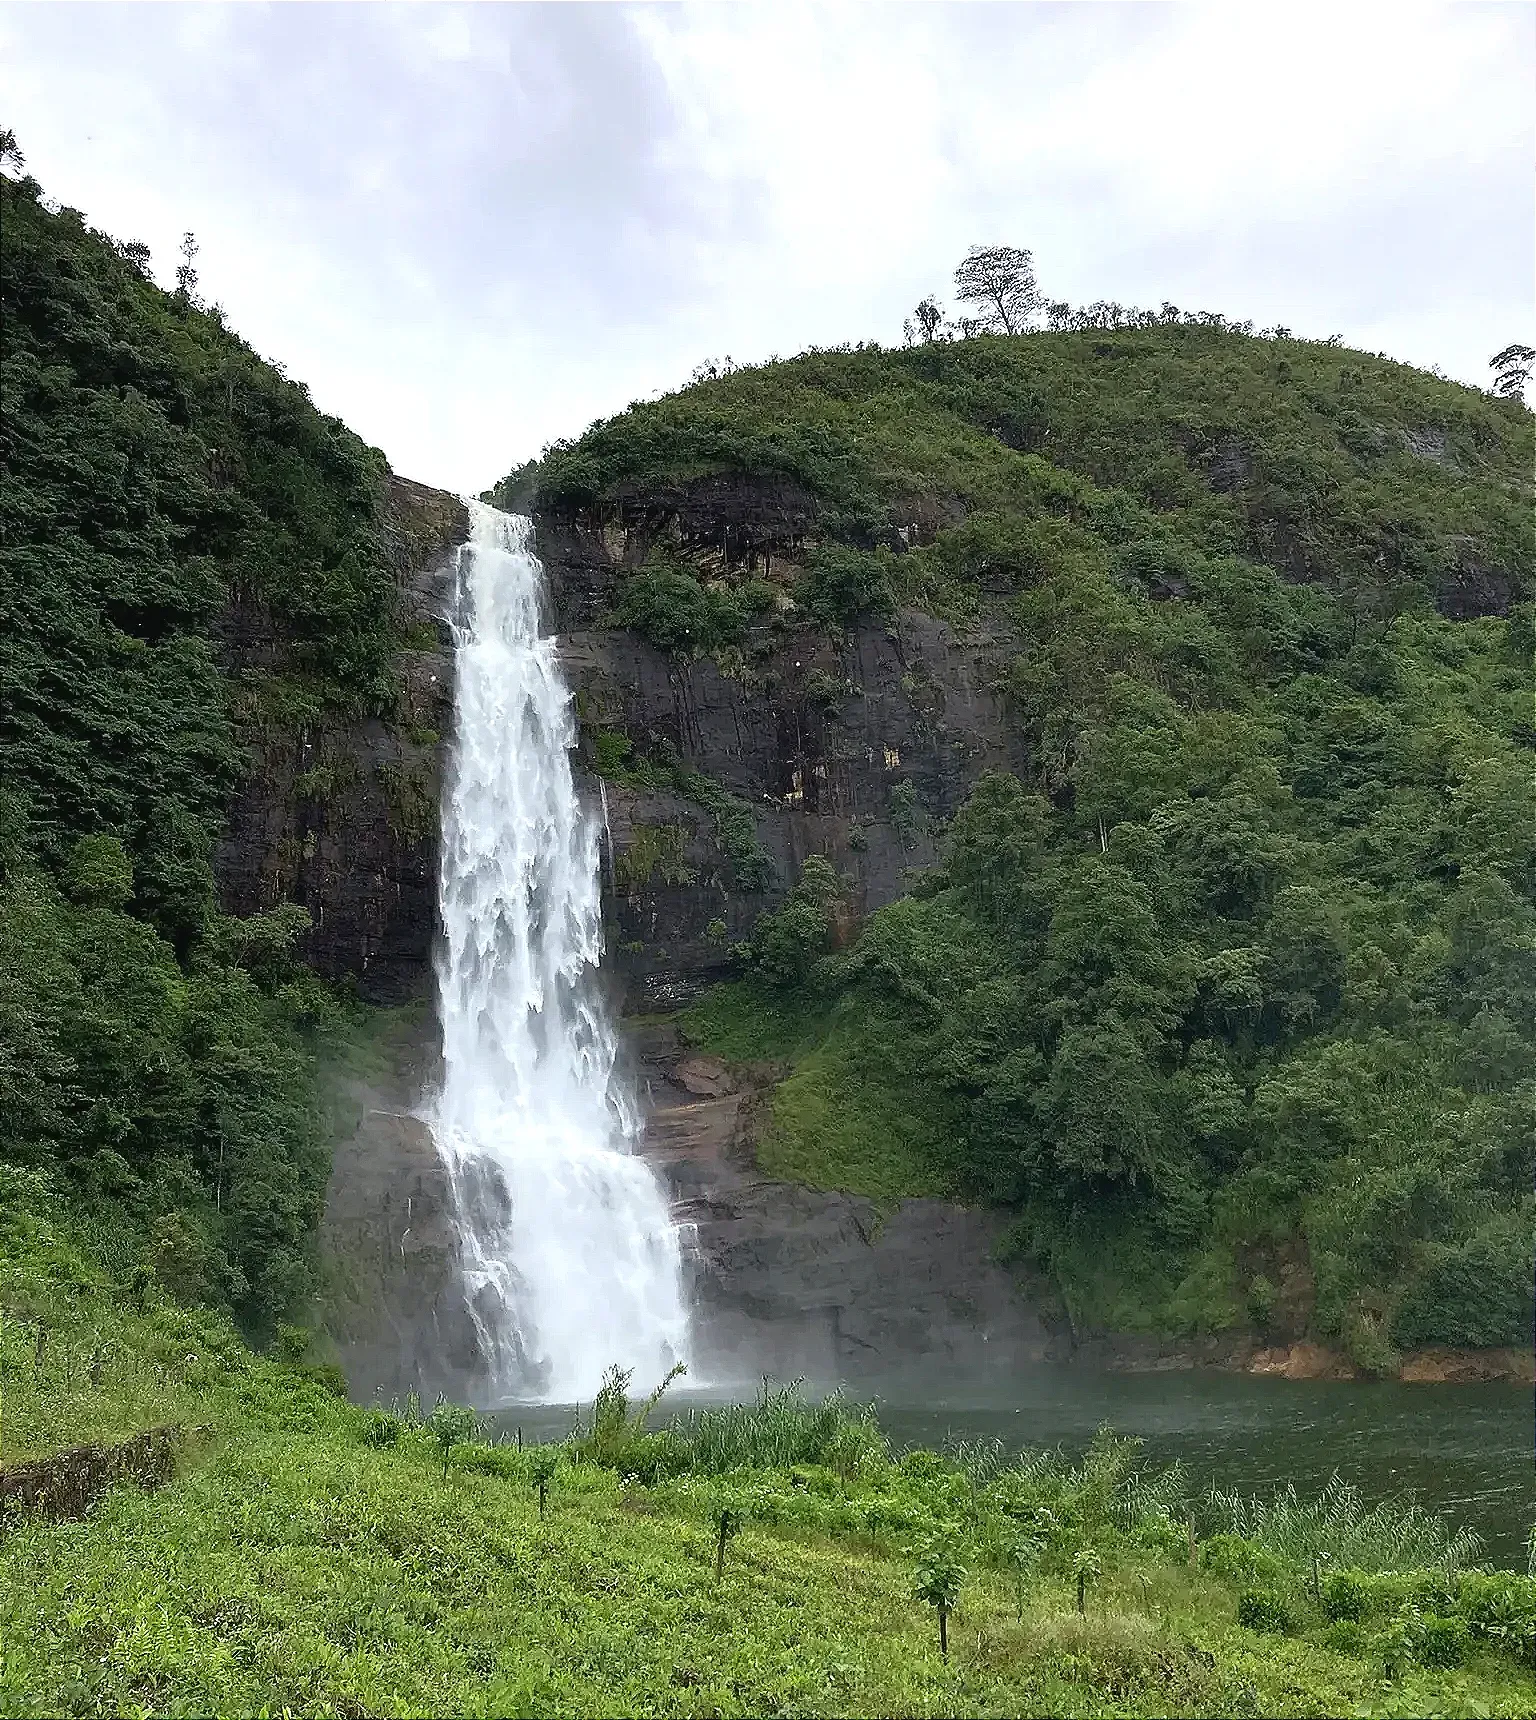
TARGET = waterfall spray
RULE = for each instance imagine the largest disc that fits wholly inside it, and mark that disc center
(569, 1258)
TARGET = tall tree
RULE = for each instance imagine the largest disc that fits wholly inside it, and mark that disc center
(1512, 370)
(186, 272)
(924, 321)
(1000, 281)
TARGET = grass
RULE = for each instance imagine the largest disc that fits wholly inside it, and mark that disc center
(848, 1115)
(304, 1570)
(1340, 1528)
(299, 1561)
(779, 1431)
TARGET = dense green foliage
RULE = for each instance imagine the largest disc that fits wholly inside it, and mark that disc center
(186, 545)
(1246, 964)
(673, 608)
(312, 1555)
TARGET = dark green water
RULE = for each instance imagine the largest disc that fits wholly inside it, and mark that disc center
(1462, 1450)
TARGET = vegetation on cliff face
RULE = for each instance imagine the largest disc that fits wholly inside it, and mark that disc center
(183, 533)
(1237, 985)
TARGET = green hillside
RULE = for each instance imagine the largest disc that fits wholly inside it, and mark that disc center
(1230, 999)
(187, 545)
(305, 1555)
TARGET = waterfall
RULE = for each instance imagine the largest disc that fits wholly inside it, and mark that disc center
(569, 1258)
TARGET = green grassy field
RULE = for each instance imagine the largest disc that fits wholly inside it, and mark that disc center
(314, 1557)
(300, 1570)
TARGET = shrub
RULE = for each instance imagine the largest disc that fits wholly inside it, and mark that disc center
(1237, 1560)
(906, 812)
(611, 749)
(292, 1342)
(649, 1458)
(937, 1581)
(1500, 1608)
(669, 606)
(1435, 1640)
(329, 1376)
(841, 584)
(381, 1429)
(1345, 1595)
(1024, 1552)
(618, 1440)
(1346, 1636)
(100, 873)
(450, 1424)
(543, 1461)
(1263, 1609)
(786, 945)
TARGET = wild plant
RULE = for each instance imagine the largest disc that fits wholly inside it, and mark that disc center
(1149, 1495)
(450, 1424)
(543, 1461)
(782, 1429)
(982, 1461)
(1086, 1569)
(1396, 1535)
(381, 1429)
(1024, 1552)
(618, 1440)
(1263, 1610)
(937, 1581)
(729, 1521)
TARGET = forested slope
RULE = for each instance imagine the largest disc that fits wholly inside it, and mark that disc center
(160, 486)
(1230, 995)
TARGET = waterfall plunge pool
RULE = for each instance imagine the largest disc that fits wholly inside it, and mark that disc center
(1463, 1450)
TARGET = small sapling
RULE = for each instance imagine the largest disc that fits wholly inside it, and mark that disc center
(543, 1461)
(938, 1580)
(450, 1424)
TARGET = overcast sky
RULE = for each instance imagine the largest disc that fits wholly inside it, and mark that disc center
(473, 229)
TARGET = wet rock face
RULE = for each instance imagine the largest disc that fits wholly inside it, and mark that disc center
(852, 747)
(341, 815)
(394, 1302)
(795, 1281)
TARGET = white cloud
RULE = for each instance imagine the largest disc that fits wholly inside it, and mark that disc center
(471, 229)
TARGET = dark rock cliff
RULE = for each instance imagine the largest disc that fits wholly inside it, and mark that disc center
(393, 1302)
(849, 747)
(797, 1281)
(340, 814)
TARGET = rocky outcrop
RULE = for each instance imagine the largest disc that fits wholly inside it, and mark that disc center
(795, 1281)
(340, 813)
(853, 747)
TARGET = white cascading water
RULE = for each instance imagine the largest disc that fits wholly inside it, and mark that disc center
(570, 1260)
